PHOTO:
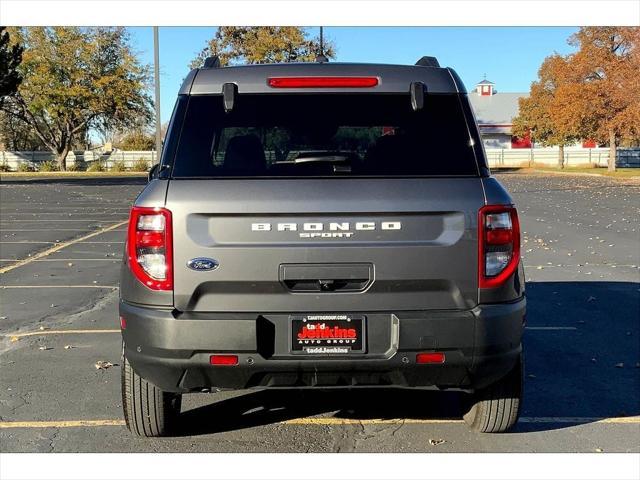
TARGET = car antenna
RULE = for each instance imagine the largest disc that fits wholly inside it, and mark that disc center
(321, 58)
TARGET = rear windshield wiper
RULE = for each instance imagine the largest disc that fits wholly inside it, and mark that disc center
(330, 157)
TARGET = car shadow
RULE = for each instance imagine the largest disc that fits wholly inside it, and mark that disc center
(265, 407)
(585, 370)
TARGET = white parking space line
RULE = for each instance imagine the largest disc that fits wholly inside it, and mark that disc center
(64, 424)
(28, 241)
(47, 229)
(564, 265)
(97, 220)
(103, 242)
(60, 246)
(112, 287)
(70, 207)
(110, 259)
(551, 328)
(75, 213)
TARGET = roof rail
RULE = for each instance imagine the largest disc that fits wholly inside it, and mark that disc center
(212, 62)
(428, 62)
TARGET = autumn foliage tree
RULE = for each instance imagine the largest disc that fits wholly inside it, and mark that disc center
(593, 93)
(603, 99)
(538, 112)
(74, 80)
(250, 45)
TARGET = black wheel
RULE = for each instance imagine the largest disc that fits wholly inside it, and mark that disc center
(148, 411)
(495, 409)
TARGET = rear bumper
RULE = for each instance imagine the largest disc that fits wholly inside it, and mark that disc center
(172, 351)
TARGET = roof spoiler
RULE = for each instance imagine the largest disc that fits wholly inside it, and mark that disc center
(212, 62)
(428, 62)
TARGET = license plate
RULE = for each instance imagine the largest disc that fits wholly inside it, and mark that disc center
(327, 334)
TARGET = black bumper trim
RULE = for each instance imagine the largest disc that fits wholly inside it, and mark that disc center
(172, 351)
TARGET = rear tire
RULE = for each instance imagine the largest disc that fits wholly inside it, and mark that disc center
(495, 409)
(148, 410)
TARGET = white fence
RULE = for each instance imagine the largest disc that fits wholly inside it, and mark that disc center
(528, 157)
(497, 157)
(13, 160)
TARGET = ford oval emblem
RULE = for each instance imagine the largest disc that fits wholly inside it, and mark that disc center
(202, 263)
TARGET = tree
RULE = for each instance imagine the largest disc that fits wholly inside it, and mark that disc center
(247, 45)
(538, 112)
(77, 79)
(10, 58)
(603, 100)
(136, 140)
(17, 135)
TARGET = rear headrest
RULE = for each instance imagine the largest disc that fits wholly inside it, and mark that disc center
(245, 154)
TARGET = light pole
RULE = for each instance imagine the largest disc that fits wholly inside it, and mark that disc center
(156, 72)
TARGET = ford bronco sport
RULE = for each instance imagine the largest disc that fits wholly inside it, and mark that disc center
(322, 225)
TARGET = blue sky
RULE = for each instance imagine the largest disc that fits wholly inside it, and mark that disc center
(509, 56)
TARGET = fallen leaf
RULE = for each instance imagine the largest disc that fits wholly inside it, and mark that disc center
(103, 365)
(68, 347)
(44, 347)
(438, 441)
(599, 450)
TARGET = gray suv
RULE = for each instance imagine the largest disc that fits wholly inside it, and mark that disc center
(322, 225)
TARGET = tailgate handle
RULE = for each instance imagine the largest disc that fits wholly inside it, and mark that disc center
(346, 277)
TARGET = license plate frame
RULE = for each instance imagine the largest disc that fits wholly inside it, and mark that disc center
(334, 342)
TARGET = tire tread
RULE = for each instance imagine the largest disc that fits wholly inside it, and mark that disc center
(496, 408)
(148, 410)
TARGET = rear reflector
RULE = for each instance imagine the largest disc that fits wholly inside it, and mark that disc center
(433, 357)
(123, 323)
(223, 360)
(322, 82)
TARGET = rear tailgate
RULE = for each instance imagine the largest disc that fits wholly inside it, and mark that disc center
(377, 244)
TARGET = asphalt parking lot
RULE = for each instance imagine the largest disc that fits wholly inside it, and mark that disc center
(59, 317)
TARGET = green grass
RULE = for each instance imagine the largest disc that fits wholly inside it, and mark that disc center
(601, 171)
(619, 173)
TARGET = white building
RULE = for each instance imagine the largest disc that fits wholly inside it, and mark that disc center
(495, 112)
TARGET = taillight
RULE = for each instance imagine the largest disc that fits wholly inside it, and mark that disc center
(322, 82)
(150, 248)
(498, 244)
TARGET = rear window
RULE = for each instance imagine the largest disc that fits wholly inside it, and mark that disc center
(298, 135)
